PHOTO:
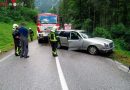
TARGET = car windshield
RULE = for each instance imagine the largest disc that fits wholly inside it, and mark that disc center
(85, 36)
(48, 19)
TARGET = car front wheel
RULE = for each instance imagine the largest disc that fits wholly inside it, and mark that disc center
(92, 50)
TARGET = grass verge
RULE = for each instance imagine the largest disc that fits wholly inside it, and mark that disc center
(6, 39)
(121, 56)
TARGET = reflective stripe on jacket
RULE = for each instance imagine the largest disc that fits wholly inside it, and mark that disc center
(53, 37)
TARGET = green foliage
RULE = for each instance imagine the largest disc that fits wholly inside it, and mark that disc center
(127, 39)
(5, 19)
(127, 46)
(6, 39)
(120, 44)
(103, 13)
(121, 35)
(28, 4)
(19, 14)
(101, 32)
(118, 31)
(127, 35)
(29, 14)
(86, 25)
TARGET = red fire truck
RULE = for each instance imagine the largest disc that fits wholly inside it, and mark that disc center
(45, 22)
(5, 3)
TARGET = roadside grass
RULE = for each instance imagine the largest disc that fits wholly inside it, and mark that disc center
(6, 39)
(121, 56)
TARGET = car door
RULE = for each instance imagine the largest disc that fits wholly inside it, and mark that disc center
(75, 41)
(64, 36)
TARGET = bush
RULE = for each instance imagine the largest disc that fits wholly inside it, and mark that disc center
(87, 26)
(122, 36)
(15, 15)
(101, 32)
(118, 31)
(18, 14)
(120, 44)
(28, 14)
(127, 35)
(76, 24)
(5, 19)
(127, 46)
(127, 39)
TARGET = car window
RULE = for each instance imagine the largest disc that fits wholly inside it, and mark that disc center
(65, 34)
(61, 33)
(74, 36)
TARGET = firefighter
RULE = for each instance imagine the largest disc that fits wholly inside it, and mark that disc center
(16, 37)
(53, 37)
(31, 33)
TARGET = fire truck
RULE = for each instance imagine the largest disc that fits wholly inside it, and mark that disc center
(45, 22)
(5, 3)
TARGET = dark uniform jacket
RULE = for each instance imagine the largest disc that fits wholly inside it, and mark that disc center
(16, 35)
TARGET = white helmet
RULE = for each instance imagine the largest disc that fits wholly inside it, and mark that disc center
(15, 26)
(54, 28)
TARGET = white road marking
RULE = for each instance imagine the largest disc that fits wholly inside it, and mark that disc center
(121, 66)
(6, 57)
(61, 75)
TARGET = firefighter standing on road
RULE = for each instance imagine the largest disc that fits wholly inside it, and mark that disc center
(53, 37)
(16, 37)
(24, 41)
(31, 33)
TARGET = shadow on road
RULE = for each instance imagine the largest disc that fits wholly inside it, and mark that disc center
(110, 54)
(85, 52)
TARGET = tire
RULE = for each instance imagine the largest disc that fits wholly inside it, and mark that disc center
(39, 41)
(93, 50)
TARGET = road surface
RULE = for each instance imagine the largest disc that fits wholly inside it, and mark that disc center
(70, 71)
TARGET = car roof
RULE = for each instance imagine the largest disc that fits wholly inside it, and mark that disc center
(72, 30)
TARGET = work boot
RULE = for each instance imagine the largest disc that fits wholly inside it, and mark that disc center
(16, 54)
(26, 57)
(21, 56)
(55, 55)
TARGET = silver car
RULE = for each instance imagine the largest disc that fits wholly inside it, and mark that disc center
(79, 40)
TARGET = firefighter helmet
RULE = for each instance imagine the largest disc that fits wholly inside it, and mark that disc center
(15, 26)
(54, 29)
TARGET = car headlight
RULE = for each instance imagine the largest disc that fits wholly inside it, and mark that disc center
(106, 45)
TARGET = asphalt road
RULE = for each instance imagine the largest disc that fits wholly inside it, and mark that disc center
(74, 70)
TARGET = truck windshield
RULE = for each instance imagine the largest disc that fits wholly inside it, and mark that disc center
(48, 19)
